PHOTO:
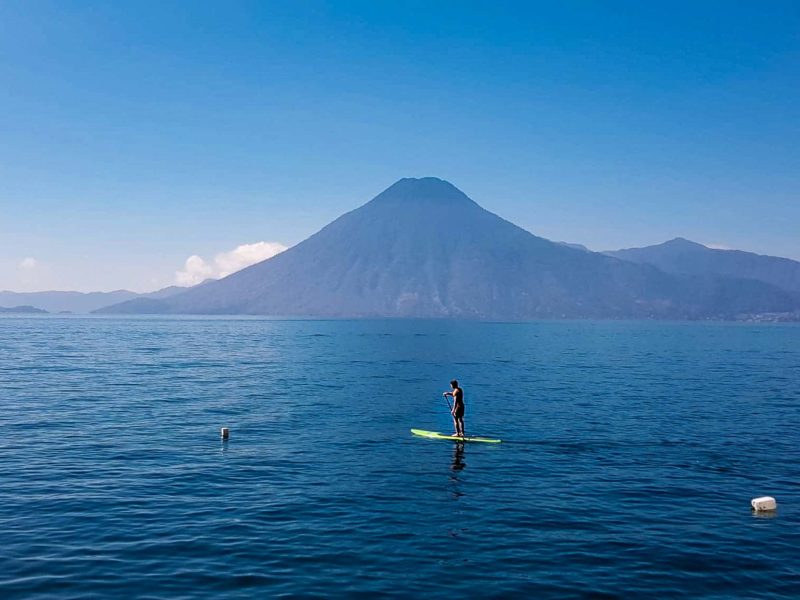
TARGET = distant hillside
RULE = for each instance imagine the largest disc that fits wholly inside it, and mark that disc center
(682, 256)
(78, 302)
(22, 310)
(576, 246)
(424, 249)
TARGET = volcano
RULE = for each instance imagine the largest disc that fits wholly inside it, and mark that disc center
(422, 248)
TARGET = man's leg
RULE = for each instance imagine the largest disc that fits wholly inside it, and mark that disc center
(455, 425)
(461, 426)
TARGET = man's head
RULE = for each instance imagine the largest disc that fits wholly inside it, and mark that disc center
(454, 384)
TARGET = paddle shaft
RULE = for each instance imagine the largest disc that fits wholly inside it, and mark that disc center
(448, 404)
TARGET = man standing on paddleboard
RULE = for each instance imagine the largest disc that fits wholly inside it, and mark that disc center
(457, 410)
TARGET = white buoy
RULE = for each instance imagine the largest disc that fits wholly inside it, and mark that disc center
(763, 503)
(224, 433)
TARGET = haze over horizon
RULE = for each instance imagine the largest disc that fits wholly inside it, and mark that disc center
(148, 145)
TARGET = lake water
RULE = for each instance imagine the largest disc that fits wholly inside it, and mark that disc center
(631, 452)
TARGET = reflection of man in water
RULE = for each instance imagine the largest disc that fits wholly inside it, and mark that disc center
(458, 457)
(458, 407)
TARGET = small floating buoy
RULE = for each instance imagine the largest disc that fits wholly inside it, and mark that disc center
(763, 503)
(224, 433)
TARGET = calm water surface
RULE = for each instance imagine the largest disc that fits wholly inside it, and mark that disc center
(632, 452)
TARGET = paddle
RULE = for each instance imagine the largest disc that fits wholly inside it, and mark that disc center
(448, 403)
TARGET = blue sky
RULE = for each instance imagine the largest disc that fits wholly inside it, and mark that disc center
(134, 135)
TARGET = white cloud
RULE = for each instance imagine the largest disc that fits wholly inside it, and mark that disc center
(28, 264)
(718, 246)
(194, 271)
(246, 255)
(197, 269)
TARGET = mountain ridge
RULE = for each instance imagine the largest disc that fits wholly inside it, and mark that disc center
(423, 248)
(682, 256)
(55, 301)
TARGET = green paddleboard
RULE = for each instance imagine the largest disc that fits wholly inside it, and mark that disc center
(435, 435)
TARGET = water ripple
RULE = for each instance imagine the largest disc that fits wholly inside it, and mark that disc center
(632, 450)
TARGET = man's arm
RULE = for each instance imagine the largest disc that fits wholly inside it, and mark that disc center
(453, 406)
